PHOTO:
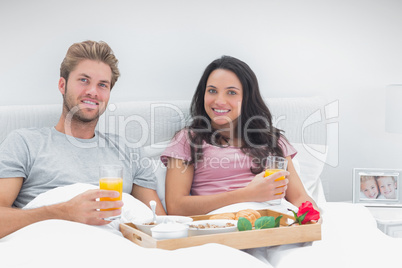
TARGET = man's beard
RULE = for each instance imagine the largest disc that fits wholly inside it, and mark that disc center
(74, 113)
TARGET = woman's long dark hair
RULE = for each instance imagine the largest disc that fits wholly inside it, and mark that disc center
(261, 138)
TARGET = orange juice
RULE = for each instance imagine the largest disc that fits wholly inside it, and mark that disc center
(269, 172)
(114, 184)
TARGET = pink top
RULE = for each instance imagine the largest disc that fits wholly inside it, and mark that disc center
(221, 170)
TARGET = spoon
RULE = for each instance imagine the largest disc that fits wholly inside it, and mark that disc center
(152, 203)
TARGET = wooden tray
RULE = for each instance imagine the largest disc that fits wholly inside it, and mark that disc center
(240, 240)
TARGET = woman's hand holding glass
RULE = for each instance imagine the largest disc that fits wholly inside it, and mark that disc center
(268, 188)
(273, 165)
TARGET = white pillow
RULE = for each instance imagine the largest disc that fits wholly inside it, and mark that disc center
(309, 168)
(153, 152)
(159, 170)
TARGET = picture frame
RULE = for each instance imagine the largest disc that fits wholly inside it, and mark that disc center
(377, 187)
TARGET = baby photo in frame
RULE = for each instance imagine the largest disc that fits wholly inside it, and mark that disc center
(377, 187)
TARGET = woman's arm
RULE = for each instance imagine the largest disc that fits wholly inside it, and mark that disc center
(179, 178)
(296, 194)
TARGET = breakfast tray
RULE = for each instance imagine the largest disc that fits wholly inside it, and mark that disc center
(284, 234)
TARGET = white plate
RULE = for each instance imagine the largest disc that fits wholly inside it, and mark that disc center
(146, 228)
(222, 229)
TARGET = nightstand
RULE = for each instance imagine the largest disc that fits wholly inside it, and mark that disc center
(389, 220)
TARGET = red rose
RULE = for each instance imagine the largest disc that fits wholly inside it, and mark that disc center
(312, 214)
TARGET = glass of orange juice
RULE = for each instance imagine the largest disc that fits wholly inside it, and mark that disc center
(275, 164)
(111, 178)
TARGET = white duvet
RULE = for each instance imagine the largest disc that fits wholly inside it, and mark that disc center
(350, 238)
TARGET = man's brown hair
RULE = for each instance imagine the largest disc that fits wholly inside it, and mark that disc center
(89, 50)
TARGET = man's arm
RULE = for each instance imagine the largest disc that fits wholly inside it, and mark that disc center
(145, 195)
(9, 189)
(12, 219)
(83, 208)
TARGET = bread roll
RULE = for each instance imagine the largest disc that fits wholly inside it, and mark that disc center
(250, 214)
(223, 216)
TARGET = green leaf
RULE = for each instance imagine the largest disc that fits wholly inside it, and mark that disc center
(278, 221)
(264, 222)
(301, 218)
(243, 224)
(294, 213)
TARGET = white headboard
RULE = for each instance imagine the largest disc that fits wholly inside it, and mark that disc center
(150, 122)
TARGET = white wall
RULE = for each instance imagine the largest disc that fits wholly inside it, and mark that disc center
(346, 50)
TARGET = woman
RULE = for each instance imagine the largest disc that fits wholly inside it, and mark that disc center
(219, 159)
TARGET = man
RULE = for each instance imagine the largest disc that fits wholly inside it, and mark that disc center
(33, 161)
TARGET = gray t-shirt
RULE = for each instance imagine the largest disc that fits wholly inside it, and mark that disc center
(47, 159)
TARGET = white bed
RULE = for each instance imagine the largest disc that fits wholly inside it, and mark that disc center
(350, 237)
(57, 243)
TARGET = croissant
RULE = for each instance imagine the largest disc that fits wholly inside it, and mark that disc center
(224, 216)
(250, 214)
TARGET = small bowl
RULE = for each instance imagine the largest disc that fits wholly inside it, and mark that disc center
(146, 228)
(219, 227)
(169, 231)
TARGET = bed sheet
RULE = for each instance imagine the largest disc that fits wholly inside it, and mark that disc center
(133, 209)
(57, 243)
(350, 238)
